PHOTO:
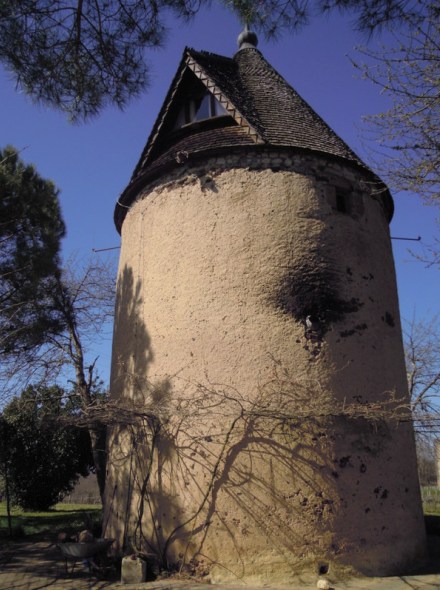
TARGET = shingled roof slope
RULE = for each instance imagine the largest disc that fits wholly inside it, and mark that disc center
(284, 118)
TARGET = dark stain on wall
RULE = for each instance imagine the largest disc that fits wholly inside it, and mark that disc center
(388, 319)
(344, 461)
(356, 330)
(311, 293)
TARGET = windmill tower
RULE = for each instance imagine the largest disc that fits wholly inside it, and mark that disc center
(257, 340)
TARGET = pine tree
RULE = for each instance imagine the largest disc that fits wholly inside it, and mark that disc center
(31, 228)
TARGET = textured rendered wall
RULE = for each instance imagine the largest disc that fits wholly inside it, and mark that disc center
(270, 458)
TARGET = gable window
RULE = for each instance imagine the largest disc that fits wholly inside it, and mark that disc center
(197, 109)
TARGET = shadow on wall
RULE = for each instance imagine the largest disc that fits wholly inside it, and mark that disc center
(137, 443)
(200, 460)
(262, 469)
(132, 352)
(310, 476)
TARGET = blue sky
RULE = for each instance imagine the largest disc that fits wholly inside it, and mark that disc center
(92, 163)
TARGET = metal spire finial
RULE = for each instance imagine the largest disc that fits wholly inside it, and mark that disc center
(247, 38)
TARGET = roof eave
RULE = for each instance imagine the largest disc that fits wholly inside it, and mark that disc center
(146, 176)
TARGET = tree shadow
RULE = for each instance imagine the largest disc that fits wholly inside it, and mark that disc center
(133, 437)
(132, 351)
(239, 465)
(282, 467)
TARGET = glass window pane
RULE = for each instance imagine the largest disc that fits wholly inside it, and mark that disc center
(218, 109)
(203, 112)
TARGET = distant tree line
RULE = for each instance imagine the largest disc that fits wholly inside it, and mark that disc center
(41, 456)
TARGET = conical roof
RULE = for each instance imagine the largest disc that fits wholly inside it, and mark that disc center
(260, 107)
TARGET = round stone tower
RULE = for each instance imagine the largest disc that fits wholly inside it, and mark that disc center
(261, 428)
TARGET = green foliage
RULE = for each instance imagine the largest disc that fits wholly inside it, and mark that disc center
(31, 228)
(48, 315)
(42, 452)
(431, 501)
(63, 517)
(79, 57)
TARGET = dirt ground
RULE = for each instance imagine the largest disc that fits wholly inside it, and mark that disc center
(35, 563)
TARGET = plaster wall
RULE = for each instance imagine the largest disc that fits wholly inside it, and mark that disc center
(258, 472)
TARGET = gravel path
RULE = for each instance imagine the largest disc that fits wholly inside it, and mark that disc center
(35, 563)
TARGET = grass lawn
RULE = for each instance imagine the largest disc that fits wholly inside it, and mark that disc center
(73, 517)
(431, 500)
(63, 517)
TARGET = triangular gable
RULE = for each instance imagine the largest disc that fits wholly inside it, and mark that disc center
(190, 62)
(221, 95)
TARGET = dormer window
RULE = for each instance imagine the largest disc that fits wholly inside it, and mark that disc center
(196, 109)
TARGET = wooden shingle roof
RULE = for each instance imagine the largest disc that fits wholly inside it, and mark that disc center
(262, 108)
(271, 106)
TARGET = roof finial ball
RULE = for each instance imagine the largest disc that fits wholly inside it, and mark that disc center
(247, 39)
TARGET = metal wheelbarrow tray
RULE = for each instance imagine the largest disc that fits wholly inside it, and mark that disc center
(82, 551)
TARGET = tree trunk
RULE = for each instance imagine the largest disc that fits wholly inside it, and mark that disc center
(8, 502)
(84, 381)
(97, 434)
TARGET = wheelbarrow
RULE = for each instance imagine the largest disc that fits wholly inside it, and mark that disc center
(85, 552)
